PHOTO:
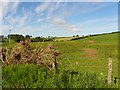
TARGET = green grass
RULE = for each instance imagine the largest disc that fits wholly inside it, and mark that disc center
(74, 57)
(32, 76)
(73, 51)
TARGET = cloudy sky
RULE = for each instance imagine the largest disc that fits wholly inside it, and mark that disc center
(58, 18)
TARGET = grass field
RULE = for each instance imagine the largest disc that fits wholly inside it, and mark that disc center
(86, 55)
(89, 54)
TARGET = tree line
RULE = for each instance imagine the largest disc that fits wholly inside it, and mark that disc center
(18, 38)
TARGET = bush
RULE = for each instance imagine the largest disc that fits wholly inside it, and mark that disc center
(22, 53)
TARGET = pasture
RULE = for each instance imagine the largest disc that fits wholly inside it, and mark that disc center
(86, 55)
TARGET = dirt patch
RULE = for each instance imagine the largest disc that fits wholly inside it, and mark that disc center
(91, 41)
(90, 52)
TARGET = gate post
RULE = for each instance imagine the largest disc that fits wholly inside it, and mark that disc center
(110, 71)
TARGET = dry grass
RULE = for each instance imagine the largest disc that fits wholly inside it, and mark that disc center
(89, 53)
(22, 53)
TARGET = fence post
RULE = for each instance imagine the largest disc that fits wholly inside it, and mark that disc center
(110, 71)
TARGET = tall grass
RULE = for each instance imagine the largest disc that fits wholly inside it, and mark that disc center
(32, 76)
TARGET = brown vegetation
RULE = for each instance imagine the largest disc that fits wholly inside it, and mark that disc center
(89, 53)
(22, 53)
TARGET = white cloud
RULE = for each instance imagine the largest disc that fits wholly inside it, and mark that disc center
(23, 30)
(9, 7)
(51, 8)
(0, 13)
(99, 25)
(1, 33)
(42, 7)
(87, 7)
(12, 20)
(51, 17)
(15, 6)
(90, 0)
(91, 7)
(67, 0)
(59, 21)
(23, 20)
(5, 7)
(40, 20)
(19, 20)
(58, 3)
(65, 25)
(99, 21)
(31, 30)
(5, 27)
(110, 27)
(100, 0)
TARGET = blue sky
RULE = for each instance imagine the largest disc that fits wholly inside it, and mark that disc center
(59, 18)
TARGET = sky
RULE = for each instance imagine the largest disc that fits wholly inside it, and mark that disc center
(58, 18)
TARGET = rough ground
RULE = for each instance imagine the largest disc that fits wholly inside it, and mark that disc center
(89, 53)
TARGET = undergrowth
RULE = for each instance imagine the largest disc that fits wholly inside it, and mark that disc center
(32, 76)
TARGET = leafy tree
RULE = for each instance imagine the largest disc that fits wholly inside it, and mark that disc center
(48, 36)
(16, 37)
(28, 37)
(77, 35)
(1, 38)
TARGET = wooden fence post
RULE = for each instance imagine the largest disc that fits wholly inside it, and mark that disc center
(110, 71)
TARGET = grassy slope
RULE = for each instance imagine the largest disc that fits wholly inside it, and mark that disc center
(73, 55)
(88, 54)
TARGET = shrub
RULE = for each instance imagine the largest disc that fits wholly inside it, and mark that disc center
(22, 53)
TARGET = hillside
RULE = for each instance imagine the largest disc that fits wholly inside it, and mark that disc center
(88, 56)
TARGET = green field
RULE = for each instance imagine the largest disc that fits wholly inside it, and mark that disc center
(89, 54)
(86, 55)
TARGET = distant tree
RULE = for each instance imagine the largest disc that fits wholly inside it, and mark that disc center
(28, 37)
(89, 34)
(82, 35)
(77, 35)
(16, 37)
(40, 39)
(1, 38)
(48, 36)
(37, 39)
(53, 37)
